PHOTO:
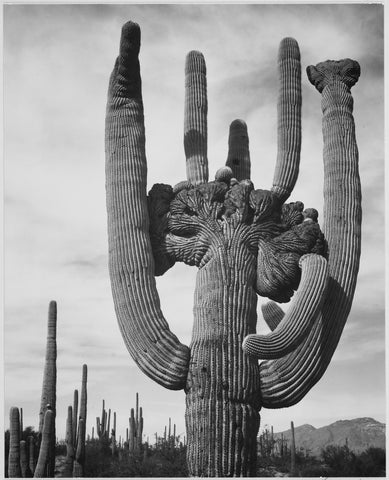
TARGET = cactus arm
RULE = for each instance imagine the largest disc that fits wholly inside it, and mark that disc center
(295, 325)
(272, 314)
(144, 329)
(14, 470)
(195, 118)
(238, 158)
(46, 444)
(287, 380)
(289, 119)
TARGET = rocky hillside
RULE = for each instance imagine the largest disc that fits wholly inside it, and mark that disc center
(359, 434)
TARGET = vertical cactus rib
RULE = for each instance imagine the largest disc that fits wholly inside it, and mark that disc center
(14, 470)
(238, 158)
(295, 325)
(195, 118)
(49, 386)
(287, 380)
(289, 119)
(46, 443)
(144, 329)
(272, 314)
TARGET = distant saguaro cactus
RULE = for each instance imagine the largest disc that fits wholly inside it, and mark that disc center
(70, 446)
(135, 427)
(49, 394)
(14, 469)
(79, 447)
(245, 242)
(46, 445)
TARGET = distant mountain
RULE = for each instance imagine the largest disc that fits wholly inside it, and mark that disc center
(359, 434)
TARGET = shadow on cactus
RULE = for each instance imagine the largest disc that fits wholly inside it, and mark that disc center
(245, 242)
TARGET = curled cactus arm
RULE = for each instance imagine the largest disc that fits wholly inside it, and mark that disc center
(272, 314)
(144, 329)
(295, 325)
(238, 150)
(289, 119)
(287, 380)
(195, 118)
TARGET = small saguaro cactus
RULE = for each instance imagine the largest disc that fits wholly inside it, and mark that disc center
(14, 469)
(245, 242)
(31, 454)
(292, 451)
(135, 431)
(69, 443)
(45, 446)
(79, 446)
(48, 398)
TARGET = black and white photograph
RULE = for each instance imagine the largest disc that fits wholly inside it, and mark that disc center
(194, 240)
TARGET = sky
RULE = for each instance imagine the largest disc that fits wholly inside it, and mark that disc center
(57, 62)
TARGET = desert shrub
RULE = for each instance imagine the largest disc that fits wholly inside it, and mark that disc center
(163, 461)
(371, 463)
(340, 460)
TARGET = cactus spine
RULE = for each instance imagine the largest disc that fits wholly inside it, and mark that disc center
(245, 242)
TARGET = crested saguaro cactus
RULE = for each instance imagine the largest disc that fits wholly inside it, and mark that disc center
(245, 242)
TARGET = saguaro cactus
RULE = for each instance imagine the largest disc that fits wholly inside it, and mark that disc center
(79, 459)
(135, 427)
(70, 446)
(46, 445)
(48, 398)
(245, 242)
(14, 469)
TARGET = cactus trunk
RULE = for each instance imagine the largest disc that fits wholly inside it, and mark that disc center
(49, 386)
(31, 454)
(222, 399)
(14, 444)
(24, 460)
(69, 444)
(46, 445)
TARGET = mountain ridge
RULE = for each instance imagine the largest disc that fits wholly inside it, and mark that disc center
(359, 434)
